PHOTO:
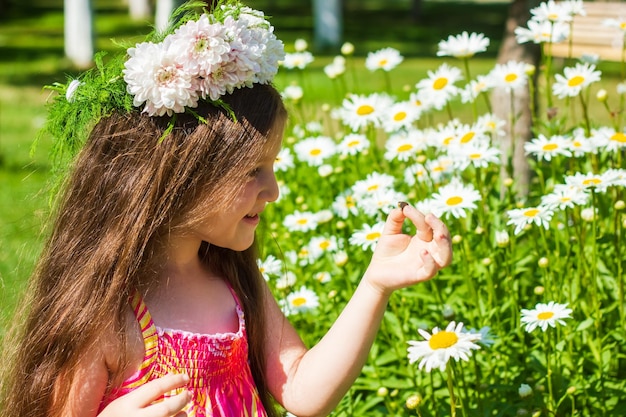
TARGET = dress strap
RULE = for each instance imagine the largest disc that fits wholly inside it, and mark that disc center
(149, 336)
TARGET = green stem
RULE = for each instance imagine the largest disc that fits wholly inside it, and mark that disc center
(451, 391)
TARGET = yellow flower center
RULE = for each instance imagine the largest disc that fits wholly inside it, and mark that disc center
(400, 116)
(510, 78)
(531, 212)
(576, 81)
(382, 62)
(592, 181)
(622, 25)
(448, 140)
(302, 221)
(372, 187)
(453, 201)
(298, 301)
(443, 340)
(325, 245)
(475, 156)
(372, 236)
(353, 143)
(350, 202)
(550, 146)
(440, 83)
(405, 148)
(468, 137)
(364, 110)
(545, 315)
(315, 152)
(619, 137)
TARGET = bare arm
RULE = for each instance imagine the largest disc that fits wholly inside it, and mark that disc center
(330, 367)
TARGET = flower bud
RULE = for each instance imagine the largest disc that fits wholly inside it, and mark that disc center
(601, 95)
(301, 45)
(340, 225)
(486, 261)
(543, 262)
(456, 239)
(525, 390)
(448, 312)
(508, 182)
(529, 70)
(347, 48)
(539, 290)
(382, 392)
(479, 230)
(502, 238)
(571, 390)
(413, 401)
(587, 214)
(619, 205)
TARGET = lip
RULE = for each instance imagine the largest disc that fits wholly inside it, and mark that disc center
(254, 220)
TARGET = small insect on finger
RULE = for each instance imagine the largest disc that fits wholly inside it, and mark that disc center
(402, 204)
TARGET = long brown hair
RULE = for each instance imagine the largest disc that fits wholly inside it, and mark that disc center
(126, 191)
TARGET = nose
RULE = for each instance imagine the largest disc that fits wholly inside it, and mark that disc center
(270, 189)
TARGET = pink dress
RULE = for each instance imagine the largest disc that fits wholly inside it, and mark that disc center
(221, 383)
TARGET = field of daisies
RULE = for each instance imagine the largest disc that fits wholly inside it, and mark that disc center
(530, 317)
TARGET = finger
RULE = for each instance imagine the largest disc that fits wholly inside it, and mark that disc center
(442, 239)
(155, 389)
(393, 225)
(429, 265)
(423, 230)
(171, 406)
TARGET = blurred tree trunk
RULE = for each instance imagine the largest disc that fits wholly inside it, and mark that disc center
(327, 23)
(512, 145)
(164, 9)
(78, 32)
(139, 9)
(416, 10)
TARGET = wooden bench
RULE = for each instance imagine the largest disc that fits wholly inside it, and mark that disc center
(590, 36)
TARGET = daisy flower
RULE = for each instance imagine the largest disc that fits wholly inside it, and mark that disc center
(616, 140)
(315, 150)
(381, 200)
(551, 11)
(300, 301)
(414, 174)
(542, 32)
(565, 196)
(385, 59)
(580, 144)
(335, 68)
(492, 125)
(400, 116)
(353, 144)
(439, 87)
(319, 245)
(475, 88)
(344, 205)
(478, 154)
(358, 111)
(574, 80)
(270, 266)
(546, 148)
(374, 181)
(464, 45)
(287, 279)
(298, 60)
(440, 168)
(300, 221)
(454, 199)
(367, 237)
(587, 181)
(402, 146)
(618, 23)
(510, 76)
(520, 218)
(441, 345)
(284, 160)
(574, 7)
(544, 315)
(293, 93)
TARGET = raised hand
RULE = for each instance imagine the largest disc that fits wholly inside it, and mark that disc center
(141, 402)
(401, 260)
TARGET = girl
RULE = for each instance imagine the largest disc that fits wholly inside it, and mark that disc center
(147, 300)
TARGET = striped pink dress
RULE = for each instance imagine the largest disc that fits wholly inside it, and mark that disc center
(221, 383)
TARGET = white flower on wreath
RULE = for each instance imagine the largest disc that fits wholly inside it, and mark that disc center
(155, 76)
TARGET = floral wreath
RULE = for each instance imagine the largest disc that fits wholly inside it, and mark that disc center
(200, 57)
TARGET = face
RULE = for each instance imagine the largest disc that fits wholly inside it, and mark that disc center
(235, 228)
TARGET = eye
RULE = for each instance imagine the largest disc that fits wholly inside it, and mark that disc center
(254, 172)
